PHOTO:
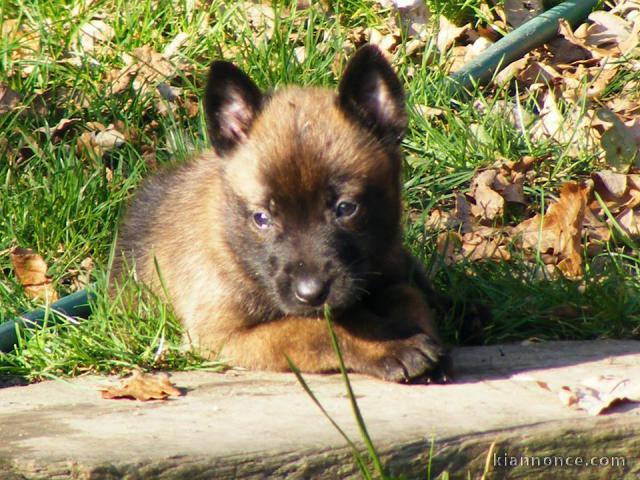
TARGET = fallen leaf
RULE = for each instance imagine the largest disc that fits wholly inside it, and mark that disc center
(618, 192)
(629, 222)
(79, 278)
(144, 69)
(109, 138)
(172, 49)
(610, 185)
(59, 129)
(489, 204)
(559, 231)
(91, 34)
(448, 33)
(261, 18)
(608, 31)
(100, 139)
(486, 244)
(518, 12)
(476, 49)
(618, 142)
(142, 386)
(9, 99)
(567, 396)
(447, 245)
(579, 38)
(512, 70)
(31, 271)
(460, 218)
(25, 41)
(523, 377)
(387, 43)
(596, 231)
(597, 394)
(428, 112)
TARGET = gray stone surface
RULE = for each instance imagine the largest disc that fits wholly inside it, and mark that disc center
(263, 425)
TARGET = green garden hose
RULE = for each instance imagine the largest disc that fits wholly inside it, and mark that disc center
(515, 45)
(74, 305)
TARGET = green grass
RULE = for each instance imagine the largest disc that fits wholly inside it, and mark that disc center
(64, 201)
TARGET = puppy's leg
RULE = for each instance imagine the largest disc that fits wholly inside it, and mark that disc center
(400, 346)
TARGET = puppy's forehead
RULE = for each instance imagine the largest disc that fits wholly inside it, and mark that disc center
(305, 143)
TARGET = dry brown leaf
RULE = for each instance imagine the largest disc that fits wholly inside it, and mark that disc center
(448, 33)
(476, 49)
(619, 193)
(386, 42)
(109, 138)
(81, 277)
(597, 394)
(564, 53)
(447, 245)
(9, 99)
(579, 38)
(428, 112)
(172, 49)
(551, 121)
(509, 181)
(414, 15)
(31, 272)
(609, 185)
(518, 12)
(596, 231)
(455, 58)
(523, 377)
(440, 220)
(601, 79)
(573, 128)
(609, 31)
(567, 396)
(512, 70)
(261, 18)
(91, 34)
(485, 244)
(100, 139)
(142, 386)
(629, 222)
(59, 129)
(559, 231)
(489, 204)
(460, 218)
(27, 38)
(144, 69)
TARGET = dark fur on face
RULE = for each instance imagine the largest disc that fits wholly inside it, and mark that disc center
(299, 207)
(325, 210)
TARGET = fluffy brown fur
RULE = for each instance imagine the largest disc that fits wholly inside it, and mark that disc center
(297, 206)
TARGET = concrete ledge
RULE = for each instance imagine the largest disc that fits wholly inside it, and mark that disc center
(262, 425)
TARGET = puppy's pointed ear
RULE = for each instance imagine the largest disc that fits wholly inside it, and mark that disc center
(371, 93)
(231, 102)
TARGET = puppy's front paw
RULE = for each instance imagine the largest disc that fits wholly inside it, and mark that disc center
(415, 359)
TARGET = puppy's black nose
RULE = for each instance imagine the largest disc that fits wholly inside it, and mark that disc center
(311, 290)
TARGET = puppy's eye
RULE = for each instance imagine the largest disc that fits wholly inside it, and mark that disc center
(346, 209)
(262, 220)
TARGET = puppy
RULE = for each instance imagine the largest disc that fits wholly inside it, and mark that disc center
(298, 205)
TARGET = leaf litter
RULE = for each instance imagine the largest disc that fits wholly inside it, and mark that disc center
(569, 80)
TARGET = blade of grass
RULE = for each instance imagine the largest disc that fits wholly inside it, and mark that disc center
(354, 450)
(352, 398)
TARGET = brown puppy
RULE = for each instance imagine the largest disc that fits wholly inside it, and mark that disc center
(297, 207)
